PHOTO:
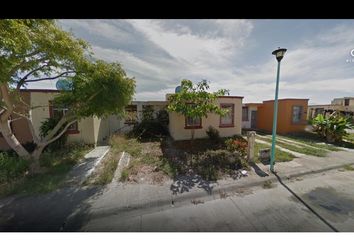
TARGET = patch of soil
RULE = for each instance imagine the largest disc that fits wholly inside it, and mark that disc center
(148, 174)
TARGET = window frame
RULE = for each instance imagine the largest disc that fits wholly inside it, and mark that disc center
(228, 105)
(75, 129)
(346, 102)
(301, 114)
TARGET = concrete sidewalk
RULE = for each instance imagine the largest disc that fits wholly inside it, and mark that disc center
(132, 199)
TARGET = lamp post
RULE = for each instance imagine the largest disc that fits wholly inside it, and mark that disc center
(279, 54)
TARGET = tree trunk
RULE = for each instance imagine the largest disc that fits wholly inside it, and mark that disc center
(12, 140)
(35, 165)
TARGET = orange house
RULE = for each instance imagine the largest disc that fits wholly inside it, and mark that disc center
(292, 115)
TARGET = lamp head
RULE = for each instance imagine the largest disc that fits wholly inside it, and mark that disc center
(279, 53)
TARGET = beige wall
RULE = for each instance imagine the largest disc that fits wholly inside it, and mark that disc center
(177, 122)
(40, 100)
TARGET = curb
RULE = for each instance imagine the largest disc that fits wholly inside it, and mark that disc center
(98, 161)
(176, 201)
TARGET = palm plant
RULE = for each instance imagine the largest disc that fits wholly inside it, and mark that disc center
(332, 127)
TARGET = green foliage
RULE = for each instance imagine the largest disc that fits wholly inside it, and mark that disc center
(46, 126)
(332, 127)
(11, 167)
(195, 101)
(58, 164)
(213, 134)
(33, 50)
(150, 127)
(125, 175)
(163, 117)
(148, 113)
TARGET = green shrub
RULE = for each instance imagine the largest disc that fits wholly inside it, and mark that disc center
(48, 125)
(11, 167)
(162, 117)
(148, 130)
(213, 134)
(332, 127)
(125, 175)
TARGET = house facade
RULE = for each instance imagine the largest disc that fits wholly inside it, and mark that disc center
(292, 115)
(343, 105)
(229, 125)
(91, 130)
(249, 115)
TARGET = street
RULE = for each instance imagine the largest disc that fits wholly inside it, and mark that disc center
(263, 208)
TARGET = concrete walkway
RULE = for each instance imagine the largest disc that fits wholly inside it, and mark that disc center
(126, 200)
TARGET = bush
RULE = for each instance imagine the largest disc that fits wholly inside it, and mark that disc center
(162, 117)
(11, 167)
(213, 134)
(48, 125)
(148, 130)
(332, 127)
(239, 145)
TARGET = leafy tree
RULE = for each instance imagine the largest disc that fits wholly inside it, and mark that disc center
(38, 50)
(332, 127)
(195, 101)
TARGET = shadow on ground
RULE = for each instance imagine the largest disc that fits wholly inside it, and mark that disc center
(45, 212)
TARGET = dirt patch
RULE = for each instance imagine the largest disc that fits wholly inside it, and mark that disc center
(147, 174)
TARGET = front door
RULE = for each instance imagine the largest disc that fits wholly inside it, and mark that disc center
(253, 119)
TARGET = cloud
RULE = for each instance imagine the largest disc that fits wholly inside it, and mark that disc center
(159, 53)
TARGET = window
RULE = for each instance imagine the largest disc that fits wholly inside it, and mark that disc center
(58, 112)
(131, 115)
(191, 123)
(244, 113)
(346, 102)
(228, 119)
(297, 114)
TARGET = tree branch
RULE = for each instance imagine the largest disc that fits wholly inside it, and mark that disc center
(60, 134)
(49, 78)
(22, 80)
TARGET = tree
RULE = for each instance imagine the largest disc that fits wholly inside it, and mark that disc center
(332, 127)
(195, 101)
(38, 50)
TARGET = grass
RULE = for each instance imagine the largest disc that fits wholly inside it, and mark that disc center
(349, 167)
(58, 164)
(105, 174)
(143, 153)
(349, 137)
(294, 148)
(280, 155)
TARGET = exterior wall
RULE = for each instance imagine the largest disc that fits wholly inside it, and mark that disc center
(284, 121)
(19, 127)
(39, 114)
(177, 122)
(247, 124)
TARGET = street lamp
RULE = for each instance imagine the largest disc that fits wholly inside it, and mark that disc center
(279, 54)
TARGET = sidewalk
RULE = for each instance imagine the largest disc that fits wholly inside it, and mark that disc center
(134, 199)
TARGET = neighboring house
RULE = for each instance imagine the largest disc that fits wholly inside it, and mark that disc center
(343, 105)
(249, 115)
(90, 130)
(229, 125)
(292, 115)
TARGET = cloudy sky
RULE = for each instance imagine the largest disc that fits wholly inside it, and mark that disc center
(231, 54)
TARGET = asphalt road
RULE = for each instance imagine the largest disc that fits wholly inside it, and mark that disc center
(270, 208)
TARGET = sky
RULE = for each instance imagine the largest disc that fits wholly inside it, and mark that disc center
(229, 54)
